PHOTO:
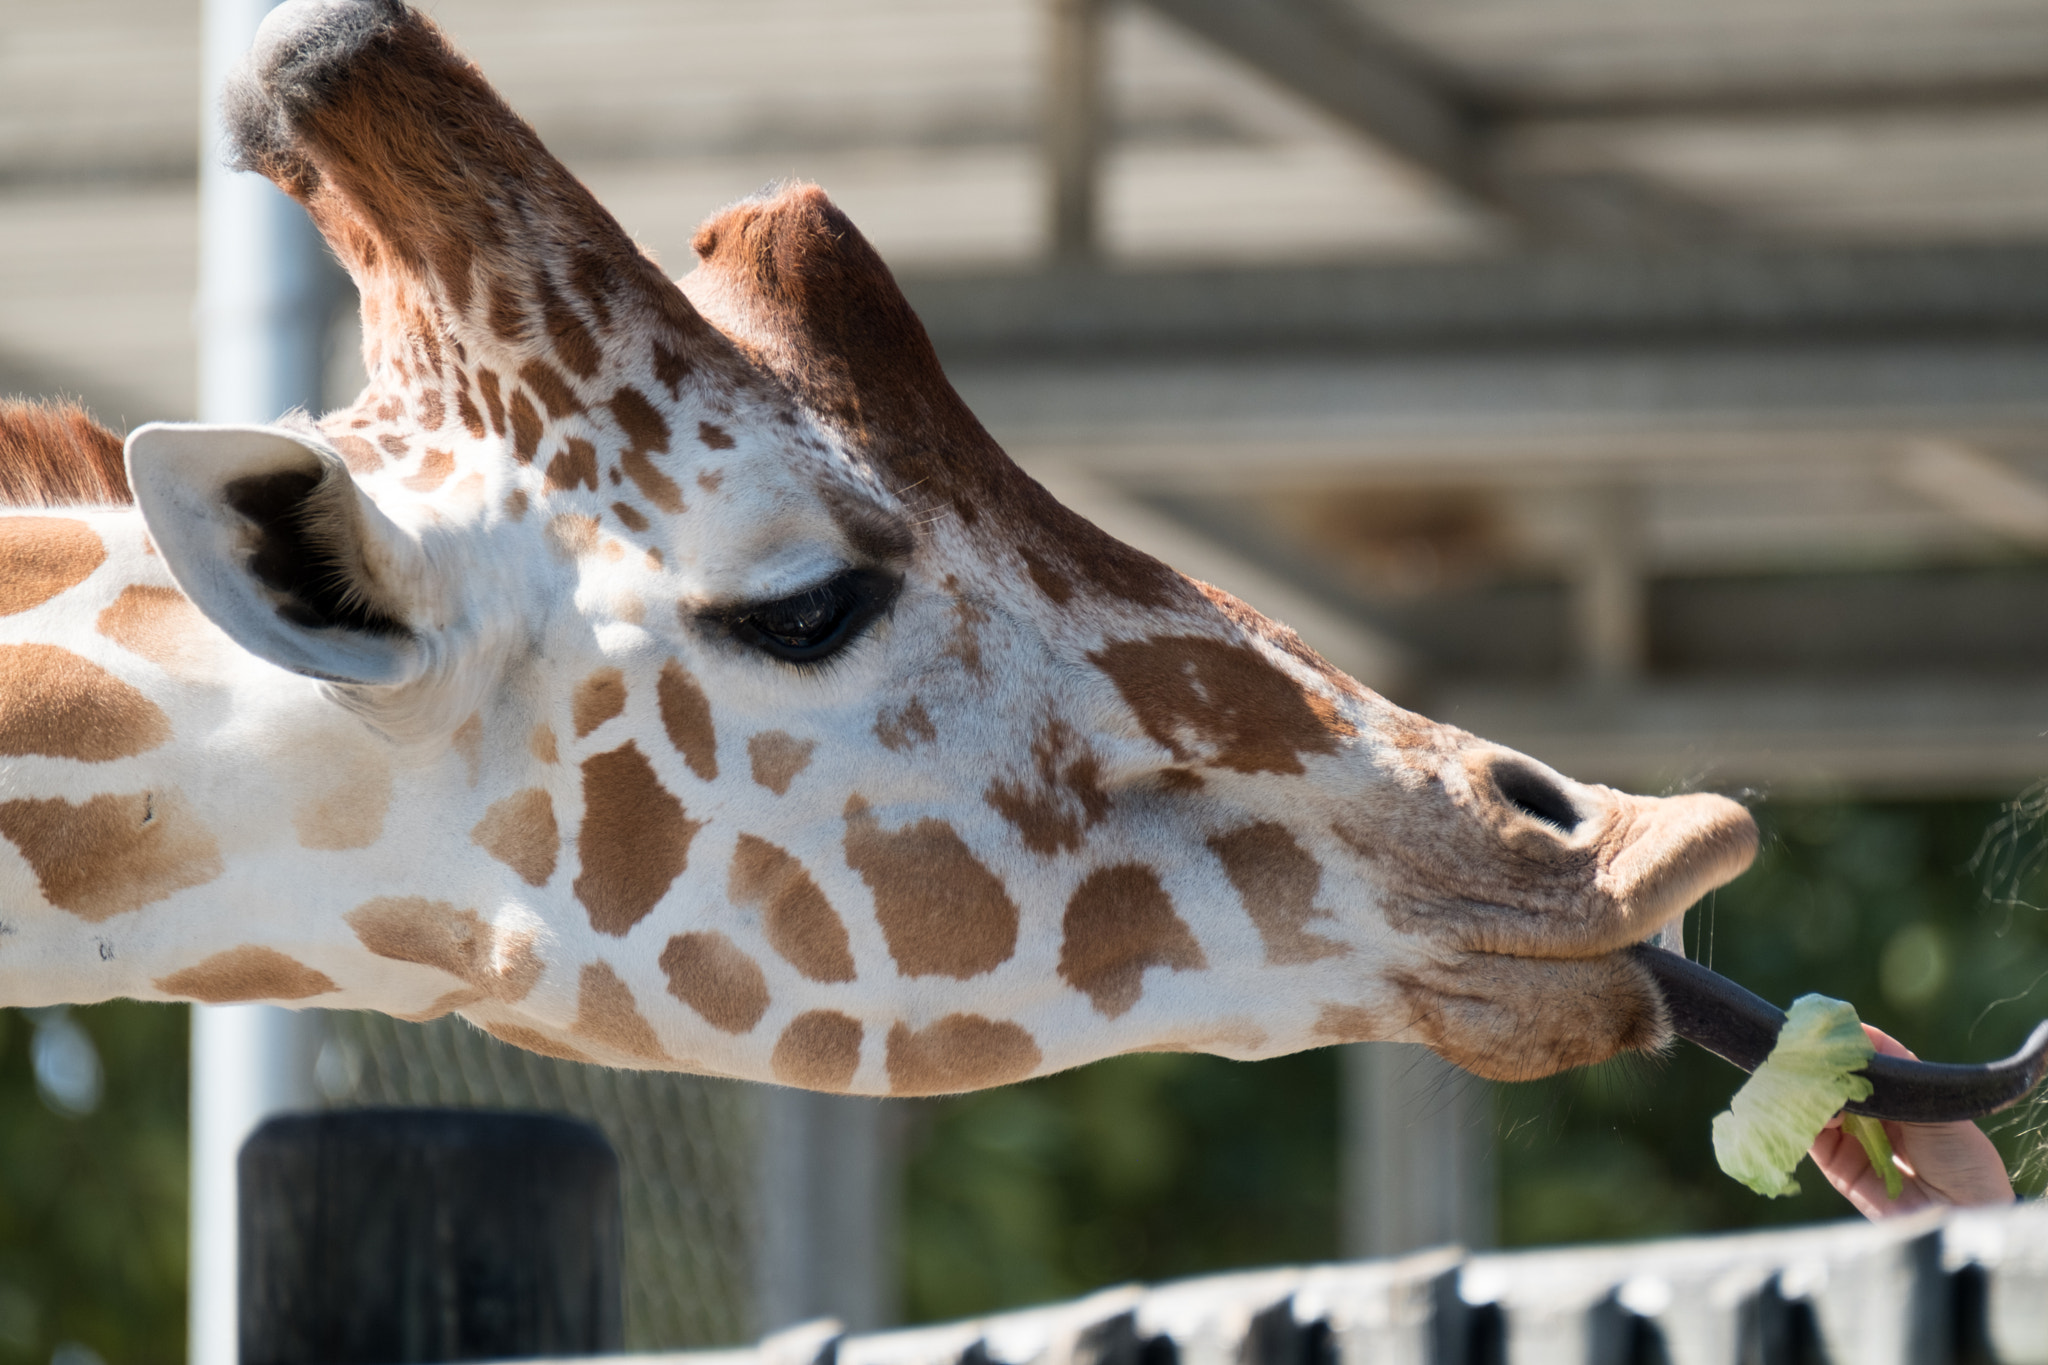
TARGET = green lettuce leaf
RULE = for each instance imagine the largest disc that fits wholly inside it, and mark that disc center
(1782, 1107)
(1878, 1147)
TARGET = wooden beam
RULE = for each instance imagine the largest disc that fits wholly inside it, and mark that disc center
(1329, 58)
(1074, 129)
(1979, 488)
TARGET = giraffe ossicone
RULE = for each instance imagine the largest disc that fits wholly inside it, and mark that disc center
(676, 675)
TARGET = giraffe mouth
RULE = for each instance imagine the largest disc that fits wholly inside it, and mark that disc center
(1738, 1026)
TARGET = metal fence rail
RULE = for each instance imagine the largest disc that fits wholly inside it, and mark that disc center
(1961, 1288)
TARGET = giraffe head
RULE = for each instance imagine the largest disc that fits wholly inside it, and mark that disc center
(678, 675)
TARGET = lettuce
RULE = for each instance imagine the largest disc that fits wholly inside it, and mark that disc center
(1782, 1107)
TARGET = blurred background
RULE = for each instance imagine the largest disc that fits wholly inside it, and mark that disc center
(1660, 389)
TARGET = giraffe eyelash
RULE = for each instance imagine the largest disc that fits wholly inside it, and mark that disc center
(809, 627)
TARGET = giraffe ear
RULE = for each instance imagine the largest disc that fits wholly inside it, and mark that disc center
(267, 533)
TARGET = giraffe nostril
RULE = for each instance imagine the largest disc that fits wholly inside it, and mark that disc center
(1535, 793)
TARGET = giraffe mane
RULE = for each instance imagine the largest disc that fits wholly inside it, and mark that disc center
(55, 455)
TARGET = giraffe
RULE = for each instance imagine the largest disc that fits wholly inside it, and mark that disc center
(676, 675)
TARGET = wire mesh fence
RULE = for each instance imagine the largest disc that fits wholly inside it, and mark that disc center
(686, 1147)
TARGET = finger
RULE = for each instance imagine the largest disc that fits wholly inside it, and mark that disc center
(1888, 1045)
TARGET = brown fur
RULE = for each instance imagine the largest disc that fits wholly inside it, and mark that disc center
(797, 919)
(63, 705)
(1119, 922)
(686, 715)
(709, 973)
(796, 285)
(634, 842)
(465, 236)
(820, 1050)
(250, 972)
(111, 854)
(43, 556)
(959, 1052)
(942, 911)
(607, 1015)
(462, 943)
(777, 757)
(54, 455)
(1277, 879)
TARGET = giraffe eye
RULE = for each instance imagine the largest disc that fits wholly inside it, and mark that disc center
(817, 622)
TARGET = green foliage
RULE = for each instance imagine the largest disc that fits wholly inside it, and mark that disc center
(92, 1209)
(1142, 1167)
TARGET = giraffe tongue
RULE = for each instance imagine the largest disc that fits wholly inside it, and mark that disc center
(1732, 1023)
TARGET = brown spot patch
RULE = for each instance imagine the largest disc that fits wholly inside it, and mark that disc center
(777, 757)
(820, 1050)
(42, 557)
(433, 410)
(714, 436)
(60, 704)
(526, 426)
(628, 515)
(1349, 1024)
(472, 420)
(671, 368)
(161, 625)
(905, 727)
(797, 920)
(349, 814)
(686, 715)
(359, 455)
(607, 1015)
(1065, 798)
(574, 533)
(515, 504)
(533, 1040)
(943, 913)
(1058, 588)
(395, 446)
(597, 699)
(634, 842)
(1190, 693)
(646, 430)
(959, 1052)
(709, 480)
(435, 467)
(487, 385)
(521, 833)
(541, 744)
(1119, 922)
(575, 463)
(1277, 879)
(249, 972)
(709, 973)
(111, 854)
(550, 387)
(429, 933)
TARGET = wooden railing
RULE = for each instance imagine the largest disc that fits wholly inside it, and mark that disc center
(1960, 1288)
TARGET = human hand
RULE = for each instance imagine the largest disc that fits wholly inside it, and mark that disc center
(1943, 1163)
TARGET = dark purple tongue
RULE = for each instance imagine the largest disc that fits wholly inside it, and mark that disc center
(1732, 1023)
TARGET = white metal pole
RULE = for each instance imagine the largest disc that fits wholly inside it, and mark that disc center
(261, 320)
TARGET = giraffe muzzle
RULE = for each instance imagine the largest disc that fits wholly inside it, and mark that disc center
(1741, 1027)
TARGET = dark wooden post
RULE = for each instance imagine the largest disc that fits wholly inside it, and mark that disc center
(402, 1236)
